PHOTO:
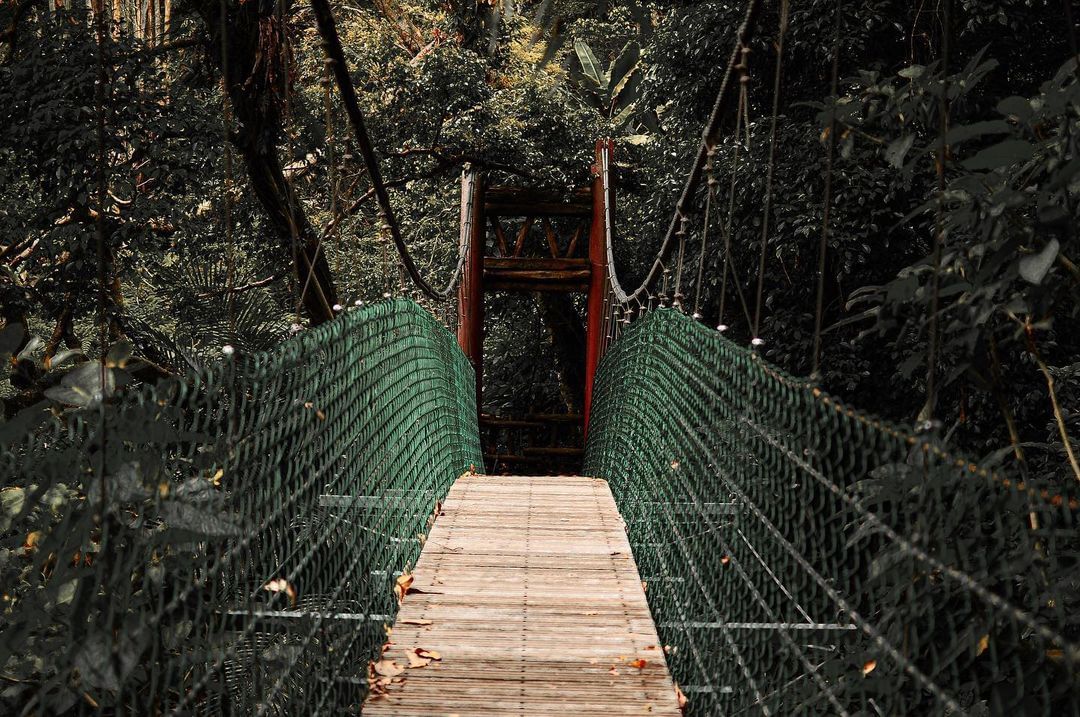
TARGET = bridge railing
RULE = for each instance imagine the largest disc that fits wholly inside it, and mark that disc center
(802, 557)
(232, 543)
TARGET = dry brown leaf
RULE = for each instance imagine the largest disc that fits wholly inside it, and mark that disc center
(725, 560)
(416, 660)
(416, 622)
(387, 668)
(645, 586)
(652, 647)
(281, 585)
(613, 671)
(984, 642)
(429, 654)
(31, 542)
(869, 667)
(680, 698)
(639, 663)
(216, 479)
(402, 585)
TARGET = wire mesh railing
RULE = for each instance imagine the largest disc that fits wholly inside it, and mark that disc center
(229, 544)
(802, 557)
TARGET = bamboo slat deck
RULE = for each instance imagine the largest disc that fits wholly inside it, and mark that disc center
(527, 589)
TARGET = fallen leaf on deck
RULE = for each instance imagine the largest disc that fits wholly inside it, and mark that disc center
(639, 663)
(652, 647)
(402, 585)
(416, 661)
(415, 622)
(387, 668)
(429, 654)
(613, 671)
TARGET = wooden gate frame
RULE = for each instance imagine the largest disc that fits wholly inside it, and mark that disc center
(481, 206)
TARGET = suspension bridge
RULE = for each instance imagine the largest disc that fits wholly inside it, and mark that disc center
(312, 530)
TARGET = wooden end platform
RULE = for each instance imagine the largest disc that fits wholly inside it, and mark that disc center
(527, 590)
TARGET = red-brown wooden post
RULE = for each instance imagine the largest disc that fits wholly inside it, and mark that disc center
(598, 232)
(471, 288)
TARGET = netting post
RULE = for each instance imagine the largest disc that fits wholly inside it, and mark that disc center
(471, 288)
(598, 233)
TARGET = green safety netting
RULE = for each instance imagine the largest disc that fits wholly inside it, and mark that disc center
(240, 555)
(802, 557)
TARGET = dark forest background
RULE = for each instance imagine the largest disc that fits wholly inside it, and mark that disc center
(203, 174)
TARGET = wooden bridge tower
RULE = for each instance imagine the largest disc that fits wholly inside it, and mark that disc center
(501, 260)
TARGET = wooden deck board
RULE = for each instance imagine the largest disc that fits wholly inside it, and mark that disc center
(535, 605)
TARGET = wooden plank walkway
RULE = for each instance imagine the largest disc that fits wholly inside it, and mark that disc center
(527, 590)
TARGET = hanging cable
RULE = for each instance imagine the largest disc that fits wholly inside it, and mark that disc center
(939, 221)
(710, 137)
(741, 117)
(227, 203)
(826, 210)
(683, 230)
(710, 182)
(332, 46)
(771, 169)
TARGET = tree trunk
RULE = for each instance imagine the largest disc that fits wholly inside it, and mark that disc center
(567, 332)
(257, 75)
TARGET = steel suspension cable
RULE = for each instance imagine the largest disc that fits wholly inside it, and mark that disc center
(324, 17)
(939, 221)
(819, 308)
(226, 131)
(709, 139)
(741, 122)
(771, 168)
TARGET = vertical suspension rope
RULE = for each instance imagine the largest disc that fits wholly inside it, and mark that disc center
(741, 118)
(227, 208)
(710, 181)
(777, 77)
(331, 153)
(684, 223)
(100, 242)
(939, 221)
(823, 247)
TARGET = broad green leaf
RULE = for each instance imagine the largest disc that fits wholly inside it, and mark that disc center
(1002, 154)
(913, 72)
(1018, 107)
(962, 133)
(1033, 268)
(65, 356)
(898, 149)
(12, 499)
(623, 66)
(589, 63)
(631, 90)
(83, 386)
(622, 117)
(10, 338)
(31, 347)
